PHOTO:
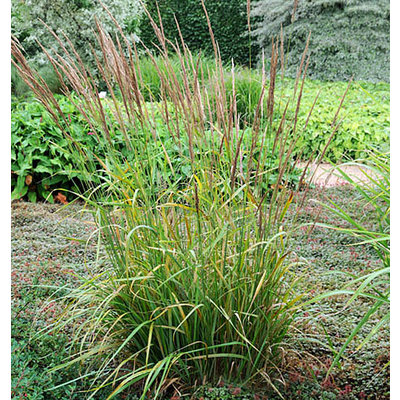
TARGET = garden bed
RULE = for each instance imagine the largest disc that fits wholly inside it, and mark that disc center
(49, 253)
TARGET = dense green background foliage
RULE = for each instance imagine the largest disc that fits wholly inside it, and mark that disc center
(228, 20)
(348, 37)
(40, 156)
(41, 159)
(26, 26)
(40, 150)
(364, 116)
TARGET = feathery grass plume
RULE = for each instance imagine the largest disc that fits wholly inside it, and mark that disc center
(192, 215)
(295, 4)
(282, 55)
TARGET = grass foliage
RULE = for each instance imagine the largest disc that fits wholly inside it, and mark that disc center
(20, 89)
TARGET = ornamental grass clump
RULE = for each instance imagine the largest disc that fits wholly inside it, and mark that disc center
(197, 286)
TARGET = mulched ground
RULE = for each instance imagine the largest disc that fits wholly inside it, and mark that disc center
(49, 250)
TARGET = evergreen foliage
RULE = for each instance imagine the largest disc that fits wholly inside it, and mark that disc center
(228, 20)
(348, 37)
(74, 18)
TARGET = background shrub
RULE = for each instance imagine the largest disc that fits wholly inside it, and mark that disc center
(348, 37)
(228, 20)
(344, 41)
(40, 153)
(19, 88)
(365, 119)
(28, 29)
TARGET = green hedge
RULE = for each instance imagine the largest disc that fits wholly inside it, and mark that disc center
(228, 20)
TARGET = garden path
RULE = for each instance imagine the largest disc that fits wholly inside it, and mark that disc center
(324, 174)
